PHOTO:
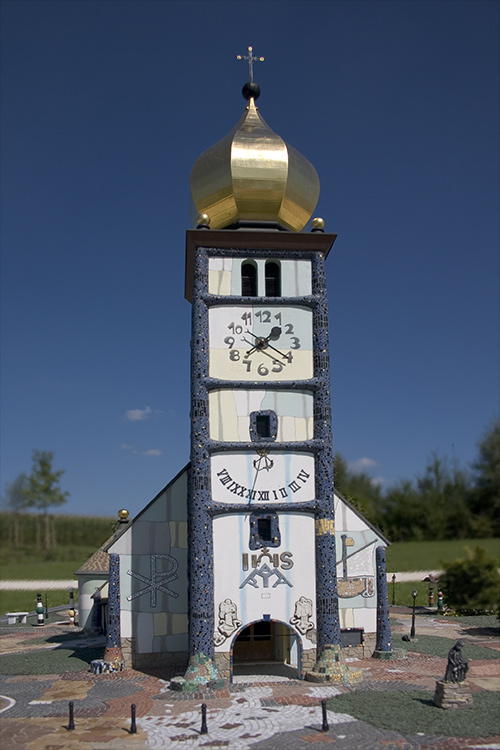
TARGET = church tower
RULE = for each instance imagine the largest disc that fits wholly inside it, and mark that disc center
(261, 558)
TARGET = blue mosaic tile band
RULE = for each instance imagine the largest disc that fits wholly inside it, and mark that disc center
(384, 636)
(328, 621)
(113, 636)
(200, 560)
(309, 446)
(271, 253)
(216, 299)
(313, 385)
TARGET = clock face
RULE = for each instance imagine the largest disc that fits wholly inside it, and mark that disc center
(274, 477)
(255, 342)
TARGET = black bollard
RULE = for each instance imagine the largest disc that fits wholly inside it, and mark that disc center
(133, 725)
(203, 729)
(71, 723)
(324, 727)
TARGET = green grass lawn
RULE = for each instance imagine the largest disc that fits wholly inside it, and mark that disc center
(428, 556)
(438, 646)
(18, 566)
(25, 601)
(412, 711)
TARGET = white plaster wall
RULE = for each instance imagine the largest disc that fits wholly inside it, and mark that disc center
(230, 421)
(346, 519)
(357, 611)
(153, 558)
(219, 275)
(224, 276)
(365, 618)
(87, 586)
(231, 540)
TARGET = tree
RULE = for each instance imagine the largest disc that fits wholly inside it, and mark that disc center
(15, 500)
(472, 583)
(485, 499)
(14, 497)
(42, 489)
(444, 494)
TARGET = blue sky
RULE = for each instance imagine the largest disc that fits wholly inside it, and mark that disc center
(105, 108)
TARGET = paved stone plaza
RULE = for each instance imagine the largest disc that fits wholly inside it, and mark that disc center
(265, 710)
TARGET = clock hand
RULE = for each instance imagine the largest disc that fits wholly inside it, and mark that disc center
(276, 350)
(262, 342)
(252, 350)
(263, 462)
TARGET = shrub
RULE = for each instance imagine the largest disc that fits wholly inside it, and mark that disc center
(472, 583)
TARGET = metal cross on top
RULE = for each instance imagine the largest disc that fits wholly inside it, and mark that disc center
(251, 59)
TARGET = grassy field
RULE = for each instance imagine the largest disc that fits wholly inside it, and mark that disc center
(404, 556)
(431, 555)
(420, 556)
(25, 601)
(15, 601)
(412, 711)
(19, 565)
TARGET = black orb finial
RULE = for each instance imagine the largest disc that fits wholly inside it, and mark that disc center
(250, 90)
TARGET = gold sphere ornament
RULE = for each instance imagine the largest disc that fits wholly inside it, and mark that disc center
(318, 224)
(203, 220)
(123, 514)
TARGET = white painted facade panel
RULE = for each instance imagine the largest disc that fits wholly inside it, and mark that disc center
(229, 412)
(234, 332)
(278, 477)
(249, 593)
(224, 276)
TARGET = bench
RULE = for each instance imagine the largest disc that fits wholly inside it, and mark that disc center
(13, 617)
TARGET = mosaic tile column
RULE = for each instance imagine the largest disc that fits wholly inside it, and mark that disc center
(113, 653)
(202, 671)
(330, 663)
(383, 647)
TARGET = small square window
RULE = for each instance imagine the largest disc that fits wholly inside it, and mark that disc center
(264, 529)
(263, 425)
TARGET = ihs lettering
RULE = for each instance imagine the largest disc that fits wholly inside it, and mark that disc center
(283, 560)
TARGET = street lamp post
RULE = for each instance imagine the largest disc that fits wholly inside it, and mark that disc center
(412, 631)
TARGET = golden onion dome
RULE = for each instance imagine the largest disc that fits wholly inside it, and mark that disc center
(252, 176)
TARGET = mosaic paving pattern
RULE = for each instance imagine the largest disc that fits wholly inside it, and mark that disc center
(244, 722)
(264, 710)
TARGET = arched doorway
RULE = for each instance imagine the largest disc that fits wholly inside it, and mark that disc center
(267, 647)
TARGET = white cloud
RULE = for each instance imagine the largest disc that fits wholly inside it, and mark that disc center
(136, 415)
(361, 464)
(149, 452)
(378, 481)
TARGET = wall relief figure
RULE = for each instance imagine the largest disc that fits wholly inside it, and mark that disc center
(302, 615)
(228, 621)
